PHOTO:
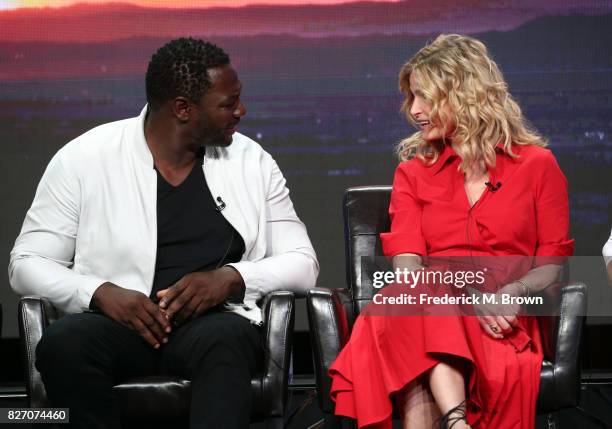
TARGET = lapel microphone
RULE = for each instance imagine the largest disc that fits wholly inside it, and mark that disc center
(492, 187)
(220, 204)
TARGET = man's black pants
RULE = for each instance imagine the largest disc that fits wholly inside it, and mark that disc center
(82, 356)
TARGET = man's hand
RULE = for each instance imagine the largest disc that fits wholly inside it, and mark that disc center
(134, 310)
(197, 292)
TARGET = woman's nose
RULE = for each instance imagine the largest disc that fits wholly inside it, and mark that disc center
(418, 107)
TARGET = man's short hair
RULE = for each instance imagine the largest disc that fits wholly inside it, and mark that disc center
(180, 68)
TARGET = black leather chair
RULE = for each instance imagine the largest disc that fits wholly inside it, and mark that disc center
(332, 312)
(162, 401)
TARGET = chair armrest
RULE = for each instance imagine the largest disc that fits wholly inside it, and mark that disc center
(569, 338)
(35, 314)
(562, 338)
(330, 317)
(278, 321)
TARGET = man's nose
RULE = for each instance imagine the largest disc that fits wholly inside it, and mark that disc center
(240, 110)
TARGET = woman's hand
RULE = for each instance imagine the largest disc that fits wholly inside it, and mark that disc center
(497, 326)
(495, 318)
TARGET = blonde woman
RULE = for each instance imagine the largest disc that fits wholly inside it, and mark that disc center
(474, 180)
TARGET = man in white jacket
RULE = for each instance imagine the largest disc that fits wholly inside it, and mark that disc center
(157, 235)
(607, 254)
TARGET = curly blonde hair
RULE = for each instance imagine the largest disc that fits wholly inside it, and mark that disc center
(457, 71)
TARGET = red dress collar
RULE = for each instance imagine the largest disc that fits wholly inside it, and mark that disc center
(448, 154)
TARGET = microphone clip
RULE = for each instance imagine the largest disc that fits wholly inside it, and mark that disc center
(492, 187)
(220, 204)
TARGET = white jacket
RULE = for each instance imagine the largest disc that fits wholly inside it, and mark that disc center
(607, 250)
(94, 219)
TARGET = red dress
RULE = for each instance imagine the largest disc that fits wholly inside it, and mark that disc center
(430, 214)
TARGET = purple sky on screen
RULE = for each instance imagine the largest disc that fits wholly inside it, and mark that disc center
(112, 21)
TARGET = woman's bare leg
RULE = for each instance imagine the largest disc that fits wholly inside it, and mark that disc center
(416, 406)
(447, 386)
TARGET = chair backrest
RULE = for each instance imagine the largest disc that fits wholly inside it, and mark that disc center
(366, 215)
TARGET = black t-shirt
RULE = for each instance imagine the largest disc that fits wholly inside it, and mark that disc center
(192, 234)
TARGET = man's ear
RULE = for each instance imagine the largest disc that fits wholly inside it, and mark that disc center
(181, 108)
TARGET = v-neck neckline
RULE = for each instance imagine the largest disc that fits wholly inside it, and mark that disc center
(467, 196)
(169, 185)
(482, 194)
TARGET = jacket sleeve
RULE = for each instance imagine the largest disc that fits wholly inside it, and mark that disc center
(607, 250)
(290, 262)
(41, 260)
